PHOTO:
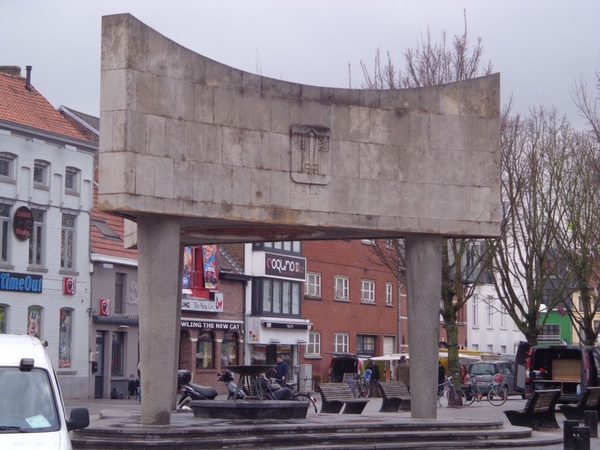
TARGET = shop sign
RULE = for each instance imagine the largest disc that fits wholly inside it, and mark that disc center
(188, 304)
(211, 325)
(23, 223)
(288, 326)
(284, 266)
(69, 285)
(21, 282)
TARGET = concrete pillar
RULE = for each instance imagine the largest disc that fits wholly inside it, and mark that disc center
(159, 265)
(423, 283)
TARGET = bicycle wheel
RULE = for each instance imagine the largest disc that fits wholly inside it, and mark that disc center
(497, 396)
(356, 390)
(470, 396)
(312, 407)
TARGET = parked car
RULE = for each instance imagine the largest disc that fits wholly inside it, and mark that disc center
(484, 372)
(570, 368)
(32, 412)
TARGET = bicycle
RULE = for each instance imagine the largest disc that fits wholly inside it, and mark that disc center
(362, 387)
(274, 386)
(496, 394)
(449, 396)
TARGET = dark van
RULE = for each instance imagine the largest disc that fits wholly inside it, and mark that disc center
(564, 367)
(342, 363)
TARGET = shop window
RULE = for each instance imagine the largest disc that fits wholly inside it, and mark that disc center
(229, 350)
(4, 319)
(205, 350)
(117, 354)
(284, 246)
(67, 243)
(64, 338)
(34, 321)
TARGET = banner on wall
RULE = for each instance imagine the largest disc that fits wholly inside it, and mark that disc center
(211, 267)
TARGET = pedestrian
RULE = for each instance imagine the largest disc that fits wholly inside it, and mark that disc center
(375, 376)
(281, 371)
(463, 373)
(403, 371)
(441, 375)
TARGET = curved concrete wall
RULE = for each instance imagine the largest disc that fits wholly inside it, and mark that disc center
(236, 153)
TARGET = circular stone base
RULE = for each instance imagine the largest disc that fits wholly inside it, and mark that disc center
(249, 410)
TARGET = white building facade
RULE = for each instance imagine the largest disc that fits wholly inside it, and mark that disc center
(45, 202)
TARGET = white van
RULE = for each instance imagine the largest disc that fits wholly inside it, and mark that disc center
(32, 412)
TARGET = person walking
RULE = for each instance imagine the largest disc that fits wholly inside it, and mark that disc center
(403, 371)
(375, 376)
(281, 371)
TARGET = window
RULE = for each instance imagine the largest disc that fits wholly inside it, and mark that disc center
(490, 348)
(7, 166)
(106, 230)
(117, 355)
(503, 349)
(340, 342)
(229, 350)
(72, 180)
(490, 312)
(368, 241)
(4, 232)
(64, 338)
(36, 242)
(288, 246)
(205, 350)
(365, 345)
(4, 319)
(341, 288)
(34, 321)
(367, 291)
(476, 347)
(120, 283)
(475, 312)
(276, 297)
(67, 243)
(550, 333)
(503, 317)
(313, 285)
(40, 174)
(314, 343)
(388, 294)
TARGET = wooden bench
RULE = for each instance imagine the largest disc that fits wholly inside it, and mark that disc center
(335, 395)
(589, 401)
(538, 413)
(395, 396)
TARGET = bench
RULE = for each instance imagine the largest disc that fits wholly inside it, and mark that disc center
(395, 396)
(589, 401)
(538, 412)
(335, 395)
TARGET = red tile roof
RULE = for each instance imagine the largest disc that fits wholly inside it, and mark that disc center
(99, 243)
(31, 108)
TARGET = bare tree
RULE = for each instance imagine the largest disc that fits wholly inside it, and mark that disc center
(529, 276)
(433, 63)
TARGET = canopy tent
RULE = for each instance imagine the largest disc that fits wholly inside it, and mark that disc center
(462, 357)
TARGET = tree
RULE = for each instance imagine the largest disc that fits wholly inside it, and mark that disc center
(429, 64)
(529, 276)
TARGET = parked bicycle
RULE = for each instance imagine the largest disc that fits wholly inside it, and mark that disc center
(449, 395)
(496, 394)
(362, 387)
(271, 389)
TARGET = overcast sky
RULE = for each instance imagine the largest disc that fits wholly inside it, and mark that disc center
(540, 47)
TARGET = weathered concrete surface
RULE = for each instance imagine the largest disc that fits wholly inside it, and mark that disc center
(196, 152)
(184, 135)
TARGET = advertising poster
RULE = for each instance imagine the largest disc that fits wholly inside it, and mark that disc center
(211, 268)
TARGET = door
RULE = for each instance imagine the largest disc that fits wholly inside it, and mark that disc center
(99, 375)
(521, 366)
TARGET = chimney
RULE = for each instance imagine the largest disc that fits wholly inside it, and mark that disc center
(28, 79)
(11, 70)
